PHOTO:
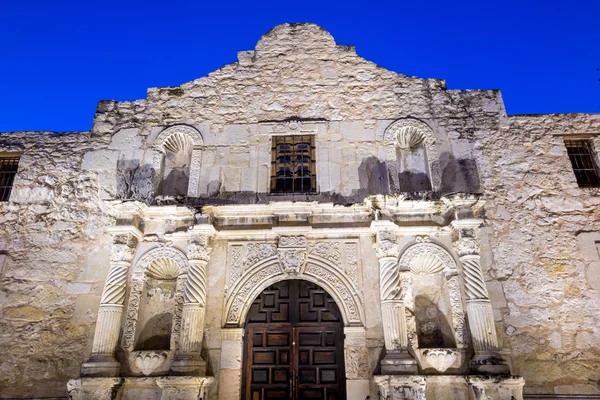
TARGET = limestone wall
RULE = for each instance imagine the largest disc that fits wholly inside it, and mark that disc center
(543, 264)
(55, 262)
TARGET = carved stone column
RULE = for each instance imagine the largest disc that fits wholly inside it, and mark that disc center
(487, 359)
(397, 360)
(102, 361)
(189, 360)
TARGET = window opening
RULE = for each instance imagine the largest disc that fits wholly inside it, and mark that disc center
(8, 170)
(581, 154)
(293, 167)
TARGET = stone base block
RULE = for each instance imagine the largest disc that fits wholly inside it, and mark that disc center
(189, 367)
(398, 363)
(489, 364)
(456, 387)
(401, 387)
(95, 388)
(100, 368)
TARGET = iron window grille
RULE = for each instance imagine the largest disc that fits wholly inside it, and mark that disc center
(8, 170)
(293, 167)
(582, 156)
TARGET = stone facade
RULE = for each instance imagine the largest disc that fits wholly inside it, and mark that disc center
(463, 256)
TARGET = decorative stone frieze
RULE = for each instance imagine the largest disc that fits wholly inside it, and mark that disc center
(294, 256)
(102, 361)
(149, 361)
(394, 387)
(184, 387)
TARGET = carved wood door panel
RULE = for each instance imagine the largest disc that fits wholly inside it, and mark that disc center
(294, 345)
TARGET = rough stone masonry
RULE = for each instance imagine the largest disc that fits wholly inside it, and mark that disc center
(456, 250)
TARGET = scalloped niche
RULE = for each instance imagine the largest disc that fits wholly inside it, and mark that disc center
(157, 306)
(432, 308)
(176, 170)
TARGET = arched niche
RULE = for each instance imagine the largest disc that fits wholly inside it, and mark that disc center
(433, 296)
(411, 157)
(268, 271)
(153, 319)
(177, 159)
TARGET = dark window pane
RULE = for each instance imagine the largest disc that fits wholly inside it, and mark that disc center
(583, 161)
(8, 170)
(293, 164)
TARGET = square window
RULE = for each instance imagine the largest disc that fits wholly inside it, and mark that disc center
(583, 160)
(8, 169)
(293, 166)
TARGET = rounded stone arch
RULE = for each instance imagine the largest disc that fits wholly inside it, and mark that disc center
(407, 134)
(171, 256)
(424, 256)
(268, 272)
(185, 140)
(178, 131)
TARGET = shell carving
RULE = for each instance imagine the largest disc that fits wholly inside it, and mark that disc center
(441, 359)
(409, 138)
(149, 361)
(426, 263)
(178, 142)
(163, 268)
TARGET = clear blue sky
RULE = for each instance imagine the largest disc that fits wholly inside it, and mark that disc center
(59, 58)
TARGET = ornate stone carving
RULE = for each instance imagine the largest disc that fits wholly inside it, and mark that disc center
(149, 361)
(163, 252)
(329, 277)
(116, 284)
(137, 286)
(474, 283)
(178, 142)
(327, 250)
(426, 263)
(352, 262)
(163, 268)
(257, 252)
(123, 248)
(467, 244)
(292, 254)
(414, 254)
(441, 359)
(461, 334)
(198, 247)
(179, 131)
(386, 244)
(236, 263)
(195, 288)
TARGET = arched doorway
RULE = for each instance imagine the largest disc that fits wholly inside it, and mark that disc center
(294, 345)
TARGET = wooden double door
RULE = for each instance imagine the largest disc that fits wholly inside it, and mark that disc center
(294, 345)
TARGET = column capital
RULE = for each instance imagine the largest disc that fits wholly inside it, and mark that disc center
(466, 241)
(120, 230)
(200, 235)
(386, 240)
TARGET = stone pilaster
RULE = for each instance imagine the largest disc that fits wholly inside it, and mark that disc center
(397, 360)
(189, 360)
(102, 361)
(487, 358)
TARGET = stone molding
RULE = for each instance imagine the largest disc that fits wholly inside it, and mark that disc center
(293, 257)
(406, 134)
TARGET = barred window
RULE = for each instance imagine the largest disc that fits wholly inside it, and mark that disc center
(582, 156)
(293, 168)
(8, 170)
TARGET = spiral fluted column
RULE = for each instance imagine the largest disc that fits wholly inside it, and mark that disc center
(108, 324)
(189, 360)
(393, 313)
(479, 308)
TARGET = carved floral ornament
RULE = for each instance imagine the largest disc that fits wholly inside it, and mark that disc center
(293, 257)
